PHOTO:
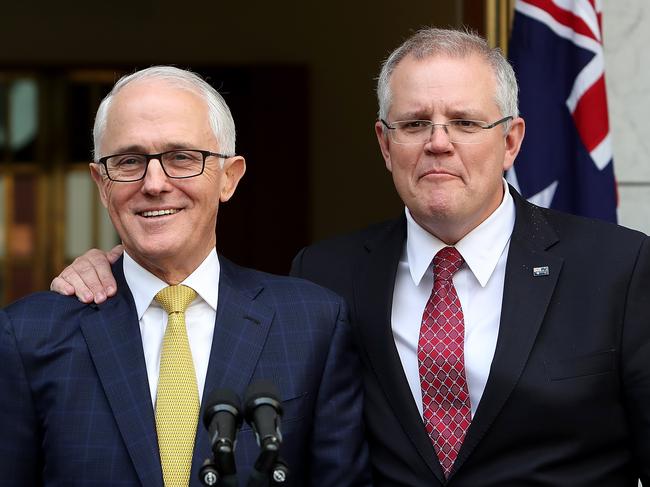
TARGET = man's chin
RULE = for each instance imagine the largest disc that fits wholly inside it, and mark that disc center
(152, 253)
(437, 205)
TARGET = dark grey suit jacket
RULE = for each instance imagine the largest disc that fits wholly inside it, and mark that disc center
(567, 401)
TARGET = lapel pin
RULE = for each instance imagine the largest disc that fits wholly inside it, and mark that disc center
(540, 271)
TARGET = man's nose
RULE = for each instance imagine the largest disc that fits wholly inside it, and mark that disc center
(439, 138)
(155, 179)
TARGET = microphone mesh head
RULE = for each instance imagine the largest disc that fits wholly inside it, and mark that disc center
(219, 398)
(261, 393)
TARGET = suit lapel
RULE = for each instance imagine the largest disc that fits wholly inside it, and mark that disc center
(526, 297)
(113, 336)
(241, 328)
(374, 297)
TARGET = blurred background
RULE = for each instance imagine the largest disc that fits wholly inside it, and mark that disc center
(299, 78)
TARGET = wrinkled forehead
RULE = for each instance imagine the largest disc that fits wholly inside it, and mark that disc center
(153, 113)
(459, 82)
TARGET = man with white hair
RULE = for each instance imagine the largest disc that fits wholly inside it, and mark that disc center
(110, 394)
(503, 344)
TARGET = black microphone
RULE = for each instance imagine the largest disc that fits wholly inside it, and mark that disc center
(222, 418)
(262, 410)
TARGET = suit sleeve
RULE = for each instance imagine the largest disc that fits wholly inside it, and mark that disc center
(636, 361)
(339, 448)
(19, 432)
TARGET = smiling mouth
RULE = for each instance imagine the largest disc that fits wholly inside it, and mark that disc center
(153, 213)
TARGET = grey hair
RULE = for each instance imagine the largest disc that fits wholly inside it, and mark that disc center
(456, 44)
(219, 116)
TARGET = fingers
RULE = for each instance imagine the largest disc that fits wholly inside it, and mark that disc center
(115, 253)
(59, 285)
(73, 281)
(89, 276)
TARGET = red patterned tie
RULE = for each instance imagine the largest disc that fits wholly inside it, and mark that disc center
(441, 362)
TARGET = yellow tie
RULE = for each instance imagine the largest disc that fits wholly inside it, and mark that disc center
(177, 398)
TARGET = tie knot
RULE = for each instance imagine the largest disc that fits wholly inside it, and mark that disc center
(175, 299)
(446, 262)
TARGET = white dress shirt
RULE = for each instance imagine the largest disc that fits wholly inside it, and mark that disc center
(199, 317)
(479, 284)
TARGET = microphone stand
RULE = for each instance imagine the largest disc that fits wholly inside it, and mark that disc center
(210, 476)
(269, 466)
(279, 472)
(222, 418)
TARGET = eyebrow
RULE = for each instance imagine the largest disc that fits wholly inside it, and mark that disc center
(466, 115)
(455, 114)
(414, 115)
(140, 149)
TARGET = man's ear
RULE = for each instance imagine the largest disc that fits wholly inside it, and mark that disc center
(96, 172)
(384, 143)
(233, 170)
(513, 140)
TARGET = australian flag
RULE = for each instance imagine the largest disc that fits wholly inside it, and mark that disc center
(566, 159)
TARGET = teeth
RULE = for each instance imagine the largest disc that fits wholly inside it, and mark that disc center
(158, 212)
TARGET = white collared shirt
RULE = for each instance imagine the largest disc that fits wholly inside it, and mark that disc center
(479, 284)
(199, 318)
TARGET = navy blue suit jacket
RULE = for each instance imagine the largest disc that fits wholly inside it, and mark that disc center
(76, 408)
(567, 401)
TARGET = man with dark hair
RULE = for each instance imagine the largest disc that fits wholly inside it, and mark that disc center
(503, 344)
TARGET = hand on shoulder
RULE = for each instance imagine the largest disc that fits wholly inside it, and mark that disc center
(89, 277)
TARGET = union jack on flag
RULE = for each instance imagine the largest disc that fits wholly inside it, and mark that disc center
(556, 49)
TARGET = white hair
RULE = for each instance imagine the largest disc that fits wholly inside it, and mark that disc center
(456, 44)
(219, 116)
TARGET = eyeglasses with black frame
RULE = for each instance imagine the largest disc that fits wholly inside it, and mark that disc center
(459, 131)
(129, 167)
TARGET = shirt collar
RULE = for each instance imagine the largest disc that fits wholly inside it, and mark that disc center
(481, 248)
(144, 285)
